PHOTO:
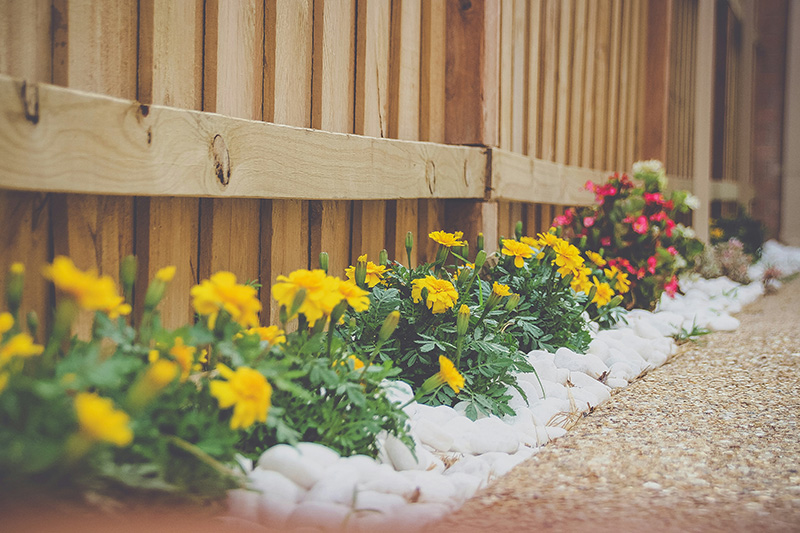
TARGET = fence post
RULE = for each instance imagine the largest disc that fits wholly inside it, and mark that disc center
(704, 68)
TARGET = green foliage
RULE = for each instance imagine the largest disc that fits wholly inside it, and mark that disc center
(743, 227)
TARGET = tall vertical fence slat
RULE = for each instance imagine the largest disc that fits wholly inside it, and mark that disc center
(170, 48)
(602, 114)
(25, 51)
(589, 110)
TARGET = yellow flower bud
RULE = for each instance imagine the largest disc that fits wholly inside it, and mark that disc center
(389, 325)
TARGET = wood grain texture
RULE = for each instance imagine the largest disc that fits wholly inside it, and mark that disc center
(170, 56)
(602, 121)
(704, 87)
(287, 100)
(653, 129)
(613, 85)
(524, 179)
(519, 78)
(171, 152)
(25, 51)
(234, 86)
(589, 111)
(535, 32)
(549, 102)
(576, 115)
(564, 86)
(332, 110)
(94, 49)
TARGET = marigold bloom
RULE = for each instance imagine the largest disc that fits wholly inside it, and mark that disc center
(221, 292)
(449, 374)
(518, 250)
(100, 421)
(86, 288)
(358, 364)
(530, 241)
(166, 274)
(322, 293)
(441, 293)
(604, 293)
(548, 239)
(375, 272)
(500, 289)
(447, 239)
(6, 322)
(356, 297)
(270, 334)
(596, 258)
(247, 391)
(581, 282)
(17, 268)
(184, 356)
(568, 258)
(20, 345)
(623, 284)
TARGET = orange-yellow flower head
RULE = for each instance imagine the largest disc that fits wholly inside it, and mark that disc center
(568, 258)
(271, 334)
(596, 258)
(356, 297)
(604, 293)
(247, 391)
(448, 239)
(100, 421)
(441, 293)
(90, 291)
(222, 293)
(375, 272)
(518, 250)
(322, 293)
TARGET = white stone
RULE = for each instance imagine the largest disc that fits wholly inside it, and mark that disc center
(555, 432)
(275, 512)
(319, 453)
(378, 501)
(337, 486)
(402, 458)
(323, 515)
(439, 414)
(544, 410)
(275, 485)
(418, 516)
(598, 347)
(546, 369)
(466, 485)
(471, 465)
(398, 391)
(432, 434)
(288, 461)
(588, 364)
(433, 487)
(390, 482)
(723, 322)
(364, 466)
(493, 435)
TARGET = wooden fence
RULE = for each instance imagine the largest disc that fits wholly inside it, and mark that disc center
(344, 124)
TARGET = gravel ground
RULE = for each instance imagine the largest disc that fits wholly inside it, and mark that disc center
(708, 442)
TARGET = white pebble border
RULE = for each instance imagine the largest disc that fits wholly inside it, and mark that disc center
(311, 488)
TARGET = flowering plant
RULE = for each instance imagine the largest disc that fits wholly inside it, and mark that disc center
(633, 228)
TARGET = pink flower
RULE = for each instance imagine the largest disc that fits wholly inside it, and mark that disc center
(653, 198)
(651, 264)
(669, 205)
(605, 241)
(589, 185)
(670, 225)
(640, 225)
(671, 287)
(661, 215)
(640, 273)
(588, 221)
(672, 250)
(565, 219)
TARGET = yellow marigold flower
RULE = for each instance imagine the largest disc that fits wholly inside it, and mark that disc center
(6, 322)
(17, 268)
(271, 334)
(99, 420)
(161, 373)
(500, 289)
(533, 243)
(568, 257)
(86, 288)
(450, 375)
(321, 290)
(358, 364)
(166, 274)
(221, 292)
(20, 345)
(441, 293)
(375, 272)
(356, 297)
(4, 376)
(447, 239)
(184, 356)
(581, 282)
(247, 391)
(623, 284)
(604, 293)
(518, 250)
(717, 233)
(548, 239)
(596, 258)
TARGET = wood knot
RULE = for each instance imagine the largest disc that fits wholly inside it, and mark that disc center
(30, 102)
(222, 161)
(464, 5)
(144, 109)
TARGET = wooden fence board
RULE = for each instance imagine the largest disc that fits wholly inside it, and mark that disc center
(170, 47)
(602, 116)
(613, 86)
(25, 51)
(287, 100)
(519, 80)
(534, 77)
(94, 49)
(564, 81)
(589, 110)
(550, 81)
(623, 123)
(578, 80)
(506, 89)
(234, 85)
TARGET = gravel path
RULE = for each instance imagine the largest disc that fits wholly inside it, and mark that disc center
(708, 442)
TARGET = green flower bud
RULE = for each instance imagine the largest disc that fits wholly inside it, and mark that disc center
(615, 301)
(592, 293)
(409, 242)
(299, 298)
(337, 312)
(383, 257)
(462, 320)
(518, 230)
(480, 243)
(33, 323)
(389, 325)
(582, 244)
(323, 261)
(127, 275)
(361, 274)
(513, 302)
(480, 259)
(14, 286)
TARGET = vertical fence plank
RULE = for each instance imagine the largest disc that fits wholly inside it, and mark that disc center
(623, 123)
(602, 121)
(564, 80)
(613, 85)
(234, 83)
(371, 114)
(534, 77)
(332, 110)
(578, 72)
(506, 73)
(287, 100)
(550, 80)
(704, 95)
(404, 91)
(589, 111)
(94, 49)
(432, 102)
(519, 80)
(655, 63)
(25, 52)
(635, 81)
(170, 54)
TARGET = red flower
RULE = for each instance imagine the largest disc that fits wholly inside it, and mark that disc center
(671, 287)
(640, 273)
(653, 198)
(672, 250)
(640, 225)
(661, 215)
(565, 219)
(605, 241)
(588, 221)
(669, 205)
(670, 225)
(651, 264)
